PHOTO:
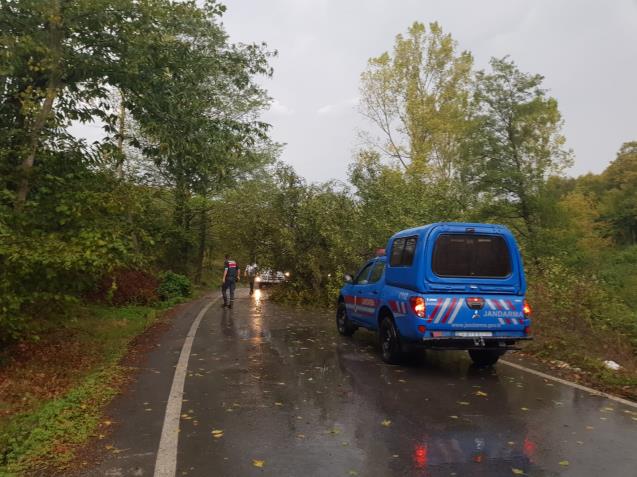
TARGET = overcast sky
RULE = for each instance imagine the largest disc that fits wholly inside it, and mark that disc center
(587, 51)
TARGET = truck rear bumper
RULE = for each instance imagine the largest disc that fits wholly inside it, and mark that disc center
(454, 343)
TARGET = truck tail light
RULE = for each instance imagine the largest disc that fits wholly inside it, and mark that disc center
(527, 330)
(475, 302)
(527, 309)
(418, 305)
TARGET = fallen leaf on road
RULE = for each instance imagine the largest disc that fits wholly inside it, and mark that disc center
(278, 404)
(453, 417)
(353, 472)
(217, 433)
(258, 463)
(589, 428)
(564, 463)
(524, 409)
(386, 423)
(517, 471)
(395, 455)
(481, 393)
(463, 403)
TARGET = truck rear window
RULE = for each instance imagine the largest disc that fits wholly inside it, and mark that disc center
(480, 256)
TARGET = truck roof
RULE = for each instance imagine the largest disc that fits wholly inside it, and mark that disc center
(423, 228)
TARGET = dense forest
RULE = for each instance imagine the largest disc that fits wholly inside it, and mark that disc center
(186, 169)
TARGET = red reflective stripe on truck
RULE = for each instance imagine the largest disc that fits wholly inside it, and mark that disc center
(435, 312)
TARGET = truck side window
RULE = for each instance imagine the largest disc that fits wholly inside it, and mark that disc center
(397, 252)
(361, 278)
(377, 272)
(410, 250)
(403, 251)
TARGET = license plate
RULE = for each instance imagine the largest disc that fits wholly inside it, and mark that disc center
(474, 334)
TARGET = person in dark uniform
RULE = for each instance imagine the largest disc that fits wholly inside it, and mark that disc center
(231, 274)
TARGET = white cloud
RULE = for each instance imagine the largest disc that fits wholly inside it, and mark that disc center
(280, 109)
(338, 107)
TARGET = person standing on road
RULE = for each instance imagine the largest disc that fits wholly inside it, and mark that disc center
(231, 274)
(251, 272)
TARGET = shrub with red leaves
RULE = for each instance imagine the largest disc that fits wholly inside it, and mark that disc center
(127, 287)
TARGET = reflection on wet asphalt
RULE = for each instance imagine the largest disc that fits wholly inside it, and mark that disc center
(287, 396)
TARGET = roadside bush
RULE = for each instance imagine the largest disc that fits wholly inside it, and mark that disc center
(128, 287)
(173, 285)
(575, 317)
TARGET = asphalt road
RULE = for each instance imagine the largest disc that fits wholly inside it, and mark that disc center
(275, 391)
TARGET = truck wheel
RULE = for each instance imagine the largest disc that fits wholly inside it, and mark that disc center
(389, 341)
(343, 325)
(485, 357)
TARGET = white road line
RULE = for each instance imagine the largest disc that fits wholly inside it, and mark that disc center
(626, 402)
(166, 462)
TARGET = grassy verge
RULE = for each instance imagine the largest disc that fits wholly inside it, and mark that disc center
(53, 391)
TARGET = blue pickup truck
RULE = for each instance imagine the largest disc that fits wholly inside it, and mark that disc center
(441, 286)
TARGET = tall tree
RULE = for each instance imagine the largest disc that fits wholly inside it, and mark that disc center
(518, 145)
(418, 98)
(620, 198)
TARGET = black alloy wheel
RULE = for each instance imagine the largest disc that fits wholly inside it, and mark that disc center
(389, 341)
(343, 325)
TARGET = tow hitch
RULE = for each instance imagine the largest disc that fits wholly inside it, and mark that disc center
(478, 341)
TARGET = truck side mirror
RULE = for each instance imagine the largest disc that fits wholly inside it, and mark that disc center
(348, 278)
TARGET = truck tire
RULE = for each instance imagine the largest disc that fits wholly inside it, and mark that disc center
(343, 325)
(389, 341)
(485, 357)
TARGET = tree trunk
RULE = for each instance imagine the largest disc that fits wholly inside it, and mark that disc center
(182, 221)
(34, 141)
(52, 87)
(120, 137)
(203, 235)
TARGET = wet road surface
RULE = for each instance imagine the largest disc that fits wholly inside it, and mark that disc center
(275, 391)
